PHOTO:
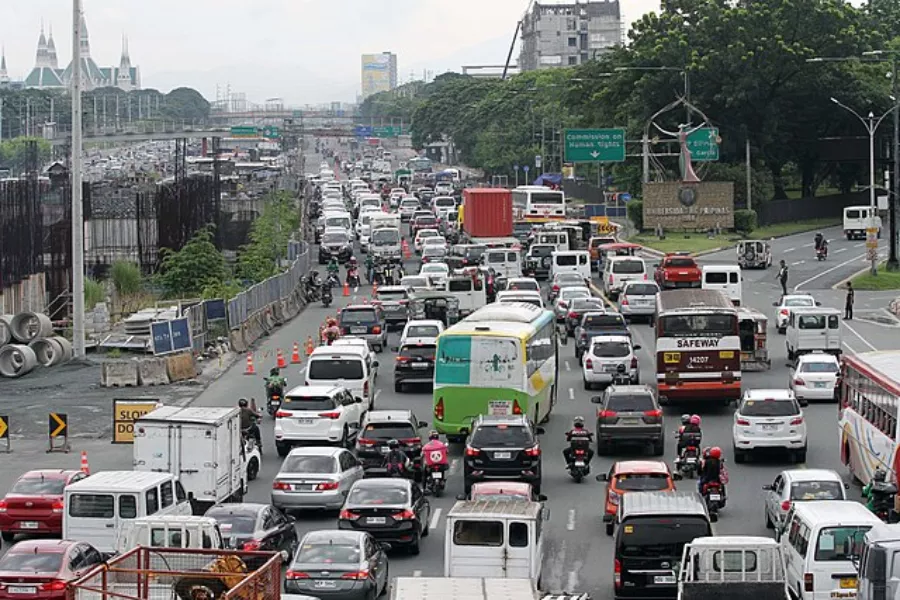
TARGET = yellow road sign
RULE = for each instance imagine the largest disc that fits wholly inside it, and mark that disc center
(125, 413)
(4, 427)
(58, 424)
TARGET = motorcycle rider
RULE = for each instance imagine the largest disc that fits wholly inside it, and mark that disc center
(396, 461)
(275, 383)
(712, 470)
(332, 331)
(334, 268)
(249, 417)
(819, 239)
(352, 271)
(578, 437)
(690, 434)
(435, 452)
(879, 492)
(370, 267)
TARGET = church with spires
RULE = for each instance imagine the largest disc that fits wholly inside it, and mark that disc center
(47, 74)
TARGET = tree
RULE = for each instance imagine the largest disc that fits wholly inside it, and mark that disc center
(14, 153)
(198, 265)
(269, 235)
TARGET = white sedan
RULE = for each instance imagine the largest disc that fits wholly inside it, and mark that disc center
(434, 242)
(815, 377)
(566, 295)
(422, 234)
(435, 270)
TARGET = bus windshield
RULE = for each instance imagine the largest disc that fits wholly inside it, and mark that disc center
(546, 198)
(698, 325)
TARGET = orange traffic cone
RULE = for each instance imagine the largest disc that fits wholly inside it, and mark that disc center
(250, 370)
(281, 362)
(309, 346)
(84, 463)
(346, 290)
(295, 355)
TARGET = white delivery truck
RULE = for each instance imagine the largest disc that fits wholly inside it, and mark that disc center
(462, 588)
(202, 447)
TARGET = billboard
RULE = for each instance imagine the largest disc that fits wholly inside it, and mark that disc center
(376, 73)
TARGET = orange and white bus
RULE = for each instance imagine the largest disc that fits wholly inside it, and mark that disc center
(698, 347)
(867, 413)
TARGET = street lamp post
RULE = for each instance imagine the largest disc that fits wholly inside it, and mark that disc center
(871, 124)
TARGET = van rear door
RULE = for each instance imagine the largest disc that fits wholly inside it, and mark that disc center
(477, 548)
(97, 517)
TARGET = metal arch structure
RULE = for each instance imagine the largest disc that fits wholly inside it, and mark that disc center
(651, 158)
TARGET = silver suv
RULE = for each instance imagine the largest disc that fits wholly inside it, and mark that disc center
(608, 356)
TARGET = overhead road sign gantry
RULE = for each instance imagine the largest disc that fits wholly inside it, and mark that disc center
(594, 145)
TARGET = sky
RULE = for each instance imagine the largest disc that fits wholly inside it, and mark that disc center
(303, 51)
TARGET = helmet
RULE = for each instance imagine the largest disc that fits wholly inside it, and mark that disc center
(695, 420)
(352, 260)
(243, 403)
(393, 444)
(715, 452)
(434, 435)
(274, 371)
(578, 422)
(685, 419)
(879, 475)
(331, 322)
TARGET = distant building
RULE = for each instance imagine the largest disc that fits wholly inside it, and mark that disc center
(489, 71)
(4, 75)
(562, 35)
(379, 73)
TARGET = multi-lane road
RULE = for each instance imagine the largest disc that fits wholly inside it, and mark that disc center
(579, 555)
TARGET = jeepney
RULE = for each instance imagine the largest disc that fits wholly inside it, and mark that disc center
(436, 305)
(752, 332)
(615, 249)
(754, 254)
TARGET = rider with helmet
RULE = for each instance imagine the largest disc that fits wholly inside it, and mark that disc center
(879, 492)
(249, 417)
(819, 239)
(712, 469)
(332, 331)
(578, 437)
(396, 462)
(435, 452)
(689, 434)
(275, 383)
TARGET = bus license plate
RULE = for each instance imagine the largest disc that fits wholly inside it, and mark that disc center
(500, 408)
(664, 579)
(848, 583)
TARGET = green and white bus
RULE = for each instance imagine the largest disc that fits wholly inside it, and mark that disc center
(500, 360)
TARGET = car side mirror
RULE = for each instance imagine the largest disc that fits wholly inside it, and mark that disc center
(846, 486)
(604, 477)
(358, 400)
(541, 498)
(375, 363)
(637, 347)
(818, 304)
(385, 546)
(775, 304)
(714, 517)
(422, 424)
(596, 400)
(768, 487)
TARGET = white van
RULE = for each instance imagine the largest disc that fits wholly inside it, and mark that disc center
(857, 219)
(571, 261)
(505, 263)
(346, 367)
(617, 270)
(560, 239)
(820, 540)
(470, 293)
(170, 531)
(98, 507)
(362, 345)
(813, 329)
(725, 278)
(442, 204)
(495, 539)
(513, 296)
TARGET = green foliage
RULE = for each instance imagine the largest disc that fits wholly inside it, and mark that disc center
(225, 289)
(14, 153)
(269, 235)
(187, 272)
(93, 293)
(635, 211)
(761, 184)
(126, 277)
(745, 221)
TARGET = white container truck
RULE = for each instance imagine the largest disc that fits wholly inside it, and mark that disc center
(200, 446)
(462, 588)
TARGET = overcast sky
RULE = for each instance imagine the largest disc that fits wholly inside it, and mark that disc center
(304, 51)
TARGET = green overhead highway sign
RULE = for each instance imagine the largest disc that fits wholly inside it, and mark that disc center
(247, 132)
(389, 131)
(297, 114)
(594, 145)
(271, 133)
(704, 144)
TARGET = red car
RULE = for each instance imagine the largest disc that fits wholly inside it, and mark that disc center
(40, 569)
(35, 503)
(678, 271)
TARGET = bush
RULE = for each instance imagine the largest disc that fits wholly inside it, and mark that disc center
(635, 211)
(93, 294)
(126, 277)
(745, 220)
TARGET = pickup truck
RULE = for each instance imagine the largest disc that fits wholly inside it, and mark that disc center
(734, 567)
(595, 323)
(677, 271)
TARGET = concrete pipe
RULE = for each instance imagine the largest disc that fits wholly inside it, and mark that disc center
(5, 333)
(48, 351)
(66, 346)
(17, 360)
(28, 326)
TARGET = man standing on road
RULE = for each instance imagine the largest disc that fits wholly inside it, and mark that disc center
(848, 305)
(782, 277)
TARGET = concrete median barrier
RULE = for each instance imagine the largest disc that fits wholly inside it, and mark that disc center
(119, 373)
(153, 371)
(181, 367)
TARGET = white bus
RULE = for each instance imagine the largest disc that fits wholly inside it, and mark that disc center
(538, 203)
(867, 413)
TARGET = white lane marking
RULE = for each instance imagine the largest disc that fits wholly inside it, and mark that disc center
(827, 271)
(859, 245)
(568, 366)
(856, 333)
(417, 573)
(573, 581)
(571, 394)
(808, 245)
(435, 519)
(839, 250)
(454, 464)
(850, 348)
(570, 524)
(799, 262)
(789, 250)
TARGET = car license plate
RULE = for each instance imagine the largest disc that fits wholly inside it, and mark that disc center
(324, 583)
(610, 368)
(579, 463)
(22, 590)
(848, 583)
(420, 365)
(629, 421)
(29, 524)
(306, 421)
(715, 497)
(821, 384)
(499, 408)
(359, 329)
(690, 460)
(502, 455)
(769, 426)
(375, 520)
(663, 579)
(385, 449)
(437, 475)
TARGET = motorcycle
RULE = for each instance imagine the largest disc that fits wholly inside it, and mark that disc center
(688, 463)
(578, 467)
(435, 480)
(822, 252)
(353, 278)
(326, 295)
(714, 497)
(273, 401)
(883, 494)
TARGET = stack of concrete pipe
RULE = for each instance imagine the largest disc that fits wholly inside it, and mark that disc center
(27, 341)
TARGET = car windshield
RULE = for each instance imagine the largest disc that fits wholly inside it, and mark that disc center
(434, 251)
(389, 431)
(335, 368)
(337, 222)
(570, 293)
(378, 495)
(428, 233)
(335, 238)
(38, 486)
(233, 523)
(817, 490)
(359, 316)
(642, 482)
(627, 402)
(600, 321)
(653, 537)
(308, 402)
(308, 464)
(502, 436)
(392, 295)
(569, 278)
(819, 367)
(641, 289)
(611, 349)
(425, 221)
(529, 286)
(628, 267)
(542, 251)
(326, 554)
(586, 304)
(416, 331)
(769, 408)
(680, 262)
(840, 543)
(32, 562)
(425, 351)
(794, 302)
(386, 236)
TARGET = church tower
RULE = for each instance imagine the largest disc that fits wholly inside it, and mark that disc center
(42, 59)
(4, 75)
(52, 60)
(123, 78)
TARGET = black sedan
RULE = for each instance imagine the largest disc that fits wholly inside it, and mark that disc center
(338, 565)
(255, 527)
(598, 323)
(393, 510)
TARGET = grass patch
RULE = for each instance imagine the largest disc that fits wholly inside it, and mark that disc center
(783, 229)
(885, 280)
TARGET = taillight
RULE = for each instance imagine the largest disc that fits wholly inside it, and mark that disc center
(53, 586)
(799, 381)
(808, 582)
(797, 421)
(533, 452)
(376, 329)
(786, 505)
(406, 515)
(252, 545)
(281, 414)
(516, 409)
(470, 451)
(411, 441)
(296, 575)
(402, 359)
(555, 288)
(327, 486)
(611, 280)
(366, 389)
(3, 506)
(588, 363)
(607, 414)
(439, 410)
(57, 506)
(280, 485)
(784, 312)
(330, 415)
(634, 362)
(645, 277)
(654, 414)
(365, 442)
(617, 573)
(624, 301)
(743, 422)
(573, 315)
(613, 498)
(357, 575)
(349, 515)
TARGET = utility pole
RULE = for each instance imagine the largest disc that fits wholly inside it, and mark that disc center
(893, 263)
(749, 176)
(1, 119)
(77, 214)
